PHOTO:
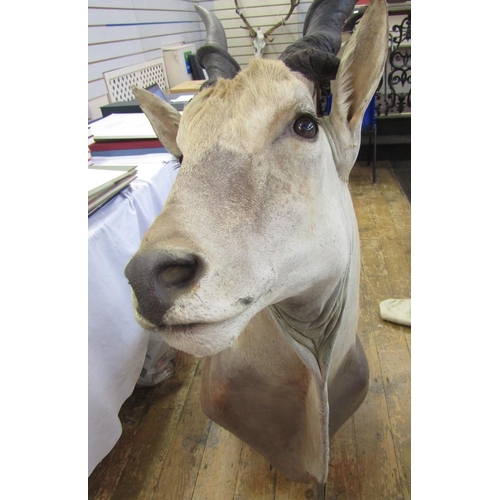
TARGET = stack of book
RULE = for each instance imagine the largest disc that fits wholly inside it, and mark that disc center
(123, 131)
(106, 182)
(91, 141)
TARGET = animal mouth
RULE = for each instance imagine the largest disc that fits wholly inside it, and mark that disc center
(200, 338)
(198, 327)
(179, 326)
(204, 336)
(182, 327)
(186, 328)
(170, 328)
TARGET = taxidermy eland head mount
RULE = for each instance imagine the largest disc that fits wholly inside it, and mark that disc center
(254, 260)
(262, 189)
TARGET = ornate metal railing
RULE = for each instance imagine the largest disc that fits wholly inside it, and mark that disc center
(394, 92)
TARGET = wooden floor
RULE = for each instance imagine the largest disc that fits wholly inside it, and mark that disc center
(170, 450)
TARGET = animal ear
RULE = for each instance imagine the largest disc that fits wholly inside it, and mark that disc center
(163, 116)
(358, 76)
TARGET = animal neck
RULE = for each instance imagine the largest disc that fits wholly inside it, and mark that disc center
(321, 323)
(271, 387)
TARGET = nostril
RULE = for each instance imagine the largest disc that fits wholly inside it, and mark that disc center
(158, 278)
(179, 272)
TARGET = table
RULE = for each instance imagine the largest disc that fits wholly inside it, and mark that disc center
(133, 105)
(116, 343)
(189, 86)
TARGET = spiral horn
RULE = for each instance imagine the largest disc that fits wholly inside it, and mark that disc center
(213, 55)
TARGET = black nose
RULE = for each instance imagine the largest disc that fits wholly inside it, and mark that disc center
(158, 278)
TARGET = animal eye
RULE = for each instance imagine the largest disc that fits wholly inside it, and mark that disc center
(305, 127)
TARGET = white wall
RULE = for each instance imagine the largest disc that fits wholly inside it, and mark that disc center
(126, 32)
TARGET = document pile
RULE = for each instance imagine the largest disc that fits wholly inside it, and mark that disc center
(106, 182)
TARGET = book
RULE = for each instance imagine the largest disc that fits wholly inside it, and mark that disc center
(118, 153)
(91, 141)
(122, 126)
(100, 179)
(106, 182)
(103, 197)
(125, 144)
(91, 136)
(118, 167)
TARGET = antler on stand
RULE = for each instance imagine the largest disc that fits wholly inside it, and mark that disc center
(247, 26)
(253, 33)
(293, 5)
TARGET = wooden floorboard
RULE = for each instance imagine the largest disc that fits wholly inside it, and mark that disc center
(169, 450)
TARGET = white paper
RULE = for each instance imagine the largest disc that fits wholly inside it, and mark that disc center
(123, 126)
(183, 98)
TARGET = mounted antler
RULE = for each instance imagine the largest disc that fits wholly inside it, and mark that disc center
(247, 26)
(314, 55)
(293, 5)
(213, 56)
(260, 39)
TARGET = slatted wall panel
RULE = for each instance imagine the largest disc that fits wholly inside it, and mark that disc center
(260, 14)
(122, 33)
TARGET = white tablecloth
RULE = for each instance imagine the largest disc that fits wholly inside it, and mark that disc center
(116, 344)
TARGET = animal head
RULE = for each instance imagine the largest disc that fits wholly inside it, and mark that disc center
(259, 42)
(260, 210)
